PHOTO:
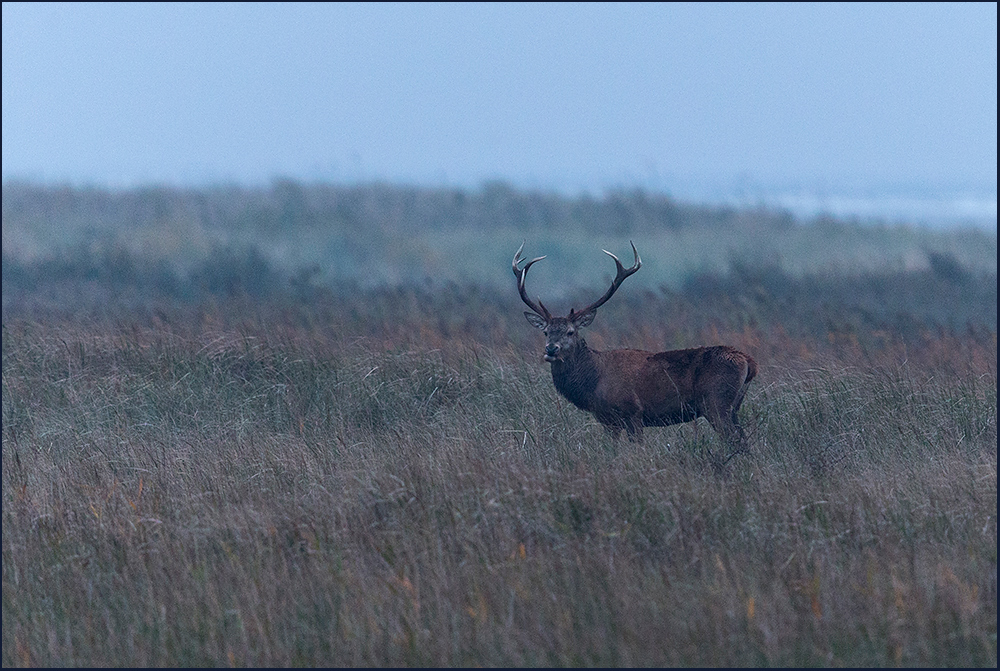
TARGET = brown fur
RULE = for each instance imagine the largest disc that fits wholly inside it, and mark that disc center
(630, 389)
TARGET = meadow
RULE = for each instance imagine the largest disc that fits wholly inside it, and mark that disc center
(223, 454)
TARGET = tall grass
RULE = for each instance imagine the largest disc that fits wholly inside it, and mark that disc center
(232, 486)
(241, 427)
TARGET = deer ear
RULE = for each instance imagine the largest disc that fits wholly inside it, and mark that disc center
(535, 320)
(582, 319)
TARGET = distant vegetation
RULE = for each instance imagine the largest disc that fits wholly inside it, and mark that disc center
(379, 234)
(308, 425)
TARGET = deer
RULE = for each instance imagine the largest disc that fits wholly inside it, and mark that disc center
(628, 389)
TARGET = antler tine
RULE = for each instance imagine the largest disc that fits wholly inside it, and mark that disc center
(521, 274)
(621, 269)
(517, 259)
(620, 276)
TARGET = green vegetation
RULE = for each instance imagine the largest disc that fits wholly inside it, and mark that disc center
(378, 234)
(219, 454)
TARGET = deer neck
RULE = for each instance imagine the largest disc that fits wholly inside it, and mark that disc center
(575, 376)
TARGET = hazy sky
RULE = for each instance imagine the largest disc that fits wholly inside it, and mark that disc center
(562, 96)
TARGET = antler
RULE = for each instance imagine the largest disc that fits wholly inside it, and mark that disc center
(520, 274)
(619, 278)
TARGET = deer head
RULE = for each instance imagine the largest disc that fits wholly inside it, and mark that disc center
(562, 333)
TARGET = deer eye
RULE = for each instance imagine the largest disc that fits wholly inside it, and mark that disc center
(570, 331)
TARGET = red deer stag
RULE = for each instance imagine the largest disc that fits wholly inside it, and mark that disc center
(629, 388)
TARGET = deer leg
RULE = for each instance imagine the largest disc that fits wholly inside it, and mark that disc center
(612, 424)
(634, 428)
(738, 435)
(729, 429)
(726, 428)
(736, 438)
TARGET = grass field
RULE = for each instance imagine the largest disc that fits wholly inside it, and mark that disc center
(226, 468)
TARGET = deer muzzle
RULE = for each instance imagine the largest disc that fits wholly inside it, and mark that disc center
(550, 352)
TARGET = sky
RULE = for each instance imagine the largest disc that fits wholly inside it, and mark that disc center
(694, 100)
